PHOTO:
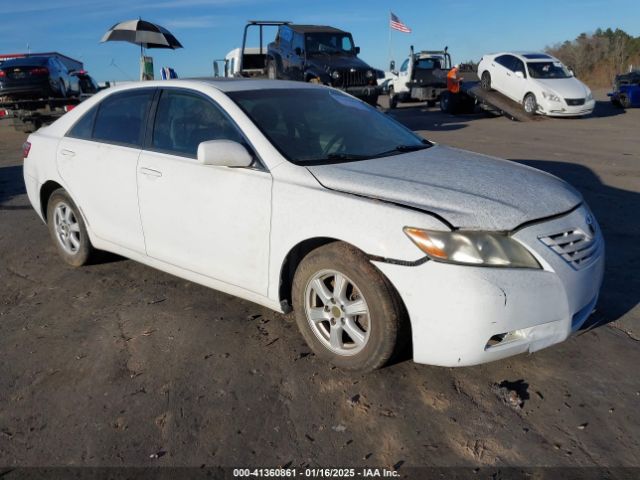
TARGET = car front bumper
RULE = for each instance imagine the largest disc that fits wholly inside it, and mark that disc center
(365, 91)
(561, 109)
(463, 315)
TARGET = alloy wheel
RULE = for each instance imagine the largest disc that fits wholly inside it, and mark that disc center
(337, 312)
(67, 228)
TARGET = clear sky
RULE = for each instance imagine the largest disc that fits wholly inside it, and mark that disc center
(208, 29)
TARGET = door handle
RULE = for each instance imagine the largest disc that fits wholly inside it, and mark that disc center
(67, 153)
(150, 172)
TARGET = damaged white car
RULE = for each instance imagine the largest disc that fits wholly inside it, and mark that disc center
(294, 195)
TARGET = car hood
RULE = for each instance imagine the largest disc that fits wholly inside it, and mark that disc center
(564, 87)
(468, 190)
(333, 62)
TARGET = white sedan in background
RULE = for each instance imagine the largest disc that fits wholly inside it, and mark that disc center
(295, 195)
(538, 81)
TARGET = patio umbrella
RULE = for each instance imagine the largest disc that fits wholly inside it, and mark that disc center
(143, 33)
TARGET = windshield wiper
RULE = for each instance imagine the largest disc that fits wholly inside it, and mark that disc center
(346, 156)
(404, 149)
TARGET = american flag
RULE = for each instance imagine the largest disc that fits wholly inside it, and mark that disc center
(396, 24)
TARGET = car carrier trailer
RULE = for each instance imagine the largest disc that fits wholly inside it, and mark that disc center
(472, 94)
(29, 115)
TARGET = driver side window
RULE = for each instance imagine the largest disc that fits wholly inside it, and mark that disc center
(183, 120)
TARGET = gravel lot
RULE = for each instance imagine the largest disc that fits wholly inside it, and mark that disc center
(111, 364)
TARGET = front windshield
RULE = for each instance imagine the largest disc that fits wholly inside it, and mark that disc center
(548, 70)
(319, 126)
(328, 43)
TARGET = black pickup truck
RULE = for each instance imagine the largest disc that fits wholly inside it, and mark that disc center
(320, 54)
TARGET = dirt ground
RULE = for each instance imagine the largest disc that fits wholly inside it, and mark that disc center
(117, 364)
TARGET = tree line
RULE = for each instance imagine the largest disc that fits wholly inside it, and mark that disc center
(597, 57)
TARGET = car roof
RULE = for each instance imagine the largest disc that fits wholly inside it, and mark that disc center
(222, 84)
(528, 56)
(314, 29)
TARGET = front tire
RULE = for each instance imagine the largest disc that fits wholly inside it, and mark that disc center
(393, 99)
(530, 104)
(271, 71)
(346, 310)
(67, 229)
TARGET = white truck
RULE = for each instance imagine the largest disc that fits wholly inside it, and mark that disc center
(422, 77)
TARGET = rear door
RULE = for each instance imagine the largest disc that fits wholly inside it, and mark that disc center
(97, 160)
(501, 66)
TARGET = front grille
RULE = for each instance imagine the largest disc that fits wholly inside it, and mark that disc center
(575, 246)
(351, 78)
(574, 102)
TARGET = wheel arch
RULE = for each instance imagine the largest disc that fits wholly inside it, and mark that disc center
(290, 264)
(46, 190)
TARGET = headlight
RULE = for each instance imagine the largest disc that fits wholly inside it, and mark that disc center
(589, 97)
(370, 74)
(335, 74)
(551, 96)
(472, 248)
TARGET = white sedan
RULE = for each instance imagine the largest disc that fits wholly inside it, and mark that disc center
(298, 196)
(540, 82)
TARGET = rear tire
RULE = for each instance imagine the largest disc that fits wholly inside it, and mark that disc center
(485, 81)
(67, 229)
(530, 104)
(63, 89)
(327, 316)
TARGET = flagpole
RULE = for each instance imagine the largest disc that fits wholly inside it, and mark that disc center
(390, 32)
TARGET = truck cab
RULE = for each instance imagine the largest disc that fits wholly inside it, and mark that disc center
(422, 77)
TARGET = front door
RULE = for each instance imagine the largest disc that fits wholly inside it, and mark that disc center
(211, 220)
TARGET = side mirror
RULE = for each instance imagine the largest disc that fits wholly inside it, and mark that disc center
(298, 51)
(571, 73)
(519, 74)
(357, 50)
(216, 69)
(392, 66)
(223, 153)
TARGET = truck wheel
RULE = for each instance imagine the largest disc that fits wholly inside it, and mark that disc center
(371, 100)
(271, 71)
(530, 104)
(346, 310)
(485, 81)
(393, 99)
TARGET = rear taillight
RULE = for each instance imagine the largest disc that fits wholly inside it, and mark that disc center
(68, 108)
(2, 74)
(26, 148)
(39, 71)
(4, 112)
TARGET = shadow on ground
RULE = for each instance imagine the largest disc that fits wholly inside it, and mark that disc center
(617, 212)
(11, 185)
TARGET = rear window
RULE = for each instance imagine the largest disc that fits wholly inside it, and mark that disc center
(121, 117)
